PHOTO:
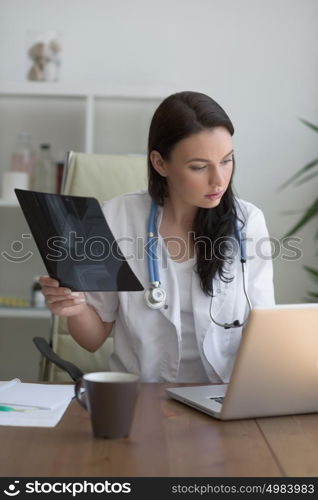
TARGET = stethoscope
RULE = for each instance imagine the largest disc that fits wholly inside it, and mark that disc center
(155, 296)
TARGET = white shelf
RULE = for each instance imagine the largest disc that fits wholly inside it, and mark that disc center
(24, 312)
(58, 89)
(74, 90)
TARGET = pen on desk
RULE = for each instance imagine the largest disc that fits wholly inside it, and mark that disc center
(31, 408)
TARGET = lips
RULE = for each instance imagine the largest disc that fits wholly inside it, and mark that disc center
(212, 196)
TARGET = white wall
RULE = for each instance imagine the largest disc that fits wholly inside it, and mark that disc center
(257, 58)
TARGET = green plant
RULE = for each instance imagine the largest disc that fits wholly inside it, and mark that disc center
(306, 174)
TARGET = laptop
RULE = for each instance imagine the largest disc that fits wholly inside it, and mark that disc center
(275, 371)
(75, 242)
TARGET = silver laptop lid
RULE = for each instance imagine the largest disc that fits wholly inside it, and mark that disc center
(276, 369)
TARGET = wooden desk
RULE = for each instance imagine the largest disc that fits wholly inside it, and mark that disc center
(167, 439)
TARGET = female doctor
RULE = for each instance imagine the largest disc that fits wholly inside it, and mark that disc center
(206, 257)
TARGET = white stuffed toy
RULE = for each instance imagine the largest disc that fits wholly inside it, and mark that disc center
(46, 61)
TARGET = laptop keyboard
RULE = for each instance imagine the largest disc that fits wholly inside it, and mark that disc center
(218, 400)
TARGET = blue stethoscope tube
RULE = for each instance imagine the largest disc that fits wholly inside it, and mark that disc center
(152, 246)
(155, 296)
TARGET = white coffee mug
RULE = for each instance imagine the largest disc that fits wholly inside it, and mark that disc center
(12, 180)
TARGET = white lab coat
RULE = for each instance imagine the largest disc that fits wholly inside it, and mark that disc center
(147, 341)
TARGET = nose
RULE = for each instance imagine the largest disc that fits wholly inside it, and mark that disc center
(215, 176)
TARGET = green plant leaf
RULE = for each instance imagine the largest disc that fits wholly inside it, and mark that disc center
(292, 212)
(310, 300)
(309, 124)
(306, 178)
(306, 174)
(312, 271)
(300, 172)
(310, 213)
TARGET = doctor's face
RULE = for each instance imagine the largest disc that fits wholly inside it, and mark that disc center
(199, 169)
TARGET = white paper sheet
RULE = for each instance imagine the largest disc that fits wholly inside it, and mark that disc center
(9, 383)
(48, 396)
(35, 405)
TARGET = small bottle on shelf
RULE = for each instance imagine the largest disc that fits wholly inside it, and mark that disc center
(23, 156)
(45, 171)
(37, 297)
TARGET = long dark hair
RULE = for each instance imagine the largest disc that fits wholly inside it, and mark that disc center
(177, 117)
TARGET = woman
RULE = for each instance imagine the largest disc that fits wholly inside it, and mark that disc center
(177, 333)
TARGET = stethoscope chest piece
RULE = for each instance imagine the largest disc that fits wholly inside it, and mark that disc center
(155, 297)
